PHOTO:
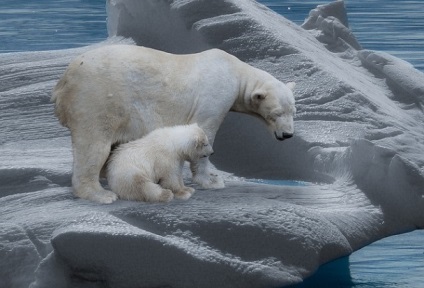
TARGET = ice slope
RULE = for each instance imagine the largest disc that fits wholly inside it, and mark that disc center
(359, 142)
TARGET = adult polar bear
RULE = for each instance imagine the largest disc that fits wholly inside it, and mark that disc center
(118, 93)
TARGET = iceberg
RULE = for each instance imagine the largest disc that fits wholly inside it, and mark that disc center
(357, 150)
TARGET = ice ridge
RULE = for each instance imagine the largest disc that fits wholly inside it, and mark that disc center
(358, 144)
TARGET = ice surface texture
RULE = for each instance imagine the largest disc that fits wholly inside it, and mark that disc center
(359, 137)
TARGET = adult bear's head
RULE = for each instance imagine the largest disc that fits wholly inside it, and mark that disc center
(273, 101)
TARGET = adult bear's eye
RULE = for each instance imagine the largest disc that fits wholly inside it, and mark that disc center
(274, 116)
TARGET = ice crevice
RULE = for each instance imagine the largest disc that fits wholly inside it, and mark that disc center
(20, 254)
(357, 147)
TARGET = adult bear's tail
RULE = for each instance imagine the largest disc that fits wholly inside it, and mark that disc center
(60, 96)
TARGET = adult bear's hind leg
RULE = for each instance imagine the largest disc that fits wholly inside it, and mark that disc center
(90, 154)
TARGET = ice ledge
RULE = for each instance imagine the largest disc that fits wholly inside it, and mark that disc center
(399, 74)
(250, 235)
(331, 25)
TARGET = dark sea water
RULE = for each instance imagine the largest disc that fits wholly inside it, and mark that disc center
(393, 262)
(396, 27)
(34, 25)
(393, 26)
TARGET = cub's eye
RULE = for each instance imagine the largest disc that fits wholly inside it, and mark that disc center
(271, 118)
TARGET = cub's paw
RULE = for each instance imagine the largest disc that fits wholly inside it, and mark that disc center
(185, 193)
(210, 181)
(108, 197)
(189, 190)
(166, 195)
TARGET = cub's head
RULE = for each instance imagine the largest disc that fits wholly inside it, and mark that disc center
(273, 102)
(199, 143)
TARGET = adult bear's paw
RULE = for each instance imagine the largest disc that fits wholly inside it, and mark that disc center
(101, 196)
(209, 181)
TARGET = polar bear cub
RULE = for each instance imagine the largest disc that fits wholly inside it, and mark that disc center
(150, 169)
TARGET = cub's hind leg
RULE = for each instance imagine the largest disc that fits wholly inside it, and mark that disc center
(145, 190)
(176, 185)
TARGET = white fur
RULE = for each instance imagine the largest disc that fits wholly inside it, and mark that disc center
(150, 169)
(119, 93)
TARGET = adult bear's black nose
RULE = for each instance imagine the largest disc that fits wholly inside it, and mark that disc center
(287, 135)
(283, 136)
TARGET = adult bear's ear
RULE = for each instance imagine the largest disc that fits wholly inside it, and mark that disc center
(257, 98)
(291, 85)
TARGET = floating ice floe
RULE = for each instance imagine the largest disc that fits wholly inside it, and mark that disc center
(357, 147)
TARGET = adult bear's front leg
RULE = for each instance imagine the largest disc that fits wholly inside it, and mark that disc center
(206, 175)
(90, 154)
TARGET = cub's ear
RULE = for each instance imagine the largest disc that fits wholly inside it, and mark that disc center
(291, 85)
(197, 142)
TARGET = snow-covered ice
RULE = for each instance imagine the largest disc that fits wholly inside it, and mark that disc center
(358, 145)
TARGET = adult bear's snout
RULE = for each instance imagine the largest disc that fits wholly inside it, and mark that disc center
(283, 136)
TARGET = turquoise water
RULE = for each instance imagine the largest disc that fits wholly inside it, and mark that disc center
(396, 27)
(280, 182)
